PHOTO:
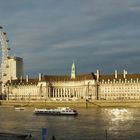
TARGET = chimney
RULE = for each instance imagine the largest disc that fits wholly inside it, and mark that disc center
(124, 73)
(21, 78)
(27, 78)
(98, 74)
(40, 76)
(116, 74)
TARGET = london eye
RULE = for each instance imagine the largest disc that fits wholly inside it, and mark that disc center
(5, 52)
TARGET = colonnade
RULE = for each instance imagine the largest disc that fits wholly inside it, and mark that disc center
(62, 92)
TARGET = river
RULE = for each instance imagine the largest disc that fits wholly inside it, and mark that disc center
(90, 124)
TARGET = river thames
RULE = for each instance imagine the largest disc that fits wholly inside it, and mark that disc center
(90, 124)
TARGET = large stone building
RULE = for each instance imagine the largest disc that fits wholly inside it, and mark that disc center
(50, 87)
(12, 69)
(119, 87)
(92, 86)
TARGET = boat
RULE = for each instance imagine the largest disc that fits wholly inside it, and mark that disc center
(18, 107)
(56, 111)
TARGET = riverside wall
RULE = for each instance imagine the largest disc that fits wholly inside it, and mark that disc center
(75, 104)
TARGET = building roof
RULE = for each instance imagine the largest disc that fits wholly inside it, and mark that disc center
(23, 82)
(52, 78)
(81, 77)
(119, 77)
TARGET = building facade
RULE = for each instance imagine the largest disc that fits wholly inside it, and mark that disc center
(49, 87)
(119, 87)
(12, 69)
(92, 86)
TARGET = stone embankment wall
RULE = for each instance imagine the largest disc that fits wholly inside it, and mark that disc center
(75, 104)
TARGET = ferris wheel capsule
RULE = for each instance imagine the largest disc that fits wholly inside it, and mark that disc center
(5, 51)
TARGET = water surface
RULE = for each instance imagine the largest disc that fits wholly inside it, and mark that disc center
(90, 124)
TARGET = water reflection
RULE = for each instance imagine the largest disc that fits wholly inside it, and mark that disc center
(120, 123)
(119, 118)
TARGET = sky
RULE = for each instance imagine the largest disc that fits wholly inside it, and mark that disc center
(96, 34)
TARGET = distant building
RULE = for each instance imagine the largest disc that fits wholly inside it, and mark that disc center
(92, 86)
(12, 69)
(50, 87)
(119, 87)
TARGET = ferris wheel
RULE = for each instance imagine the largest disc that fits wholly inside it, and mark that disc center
(5, 51)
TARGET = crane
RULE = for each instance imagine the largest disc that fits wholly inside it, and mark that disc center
(5, 52)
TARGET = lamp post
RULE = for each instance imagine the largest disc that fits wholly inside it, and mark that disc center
(8, 93)
(97, 91)
(87, 94)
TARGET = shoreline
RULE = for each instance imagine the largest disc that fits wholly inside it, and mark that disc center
(75, 104)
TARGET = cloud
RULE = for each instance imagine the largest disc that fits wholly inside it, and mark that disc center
(49, 35)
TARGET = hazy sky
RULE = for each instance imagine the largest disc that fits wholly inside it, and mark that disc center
(96, 34)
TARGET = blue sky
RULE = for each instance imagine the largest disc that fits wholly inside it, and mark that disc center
(96, 34)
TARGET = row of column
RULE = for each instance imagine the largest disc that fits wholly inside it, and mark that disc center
(65, 92)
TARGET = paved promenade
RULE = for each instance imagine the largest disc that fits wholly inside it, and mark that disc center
(76, 104)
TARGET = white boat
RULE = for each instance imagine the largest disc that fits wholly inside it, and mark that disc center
(18, 107)
(56, 111)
